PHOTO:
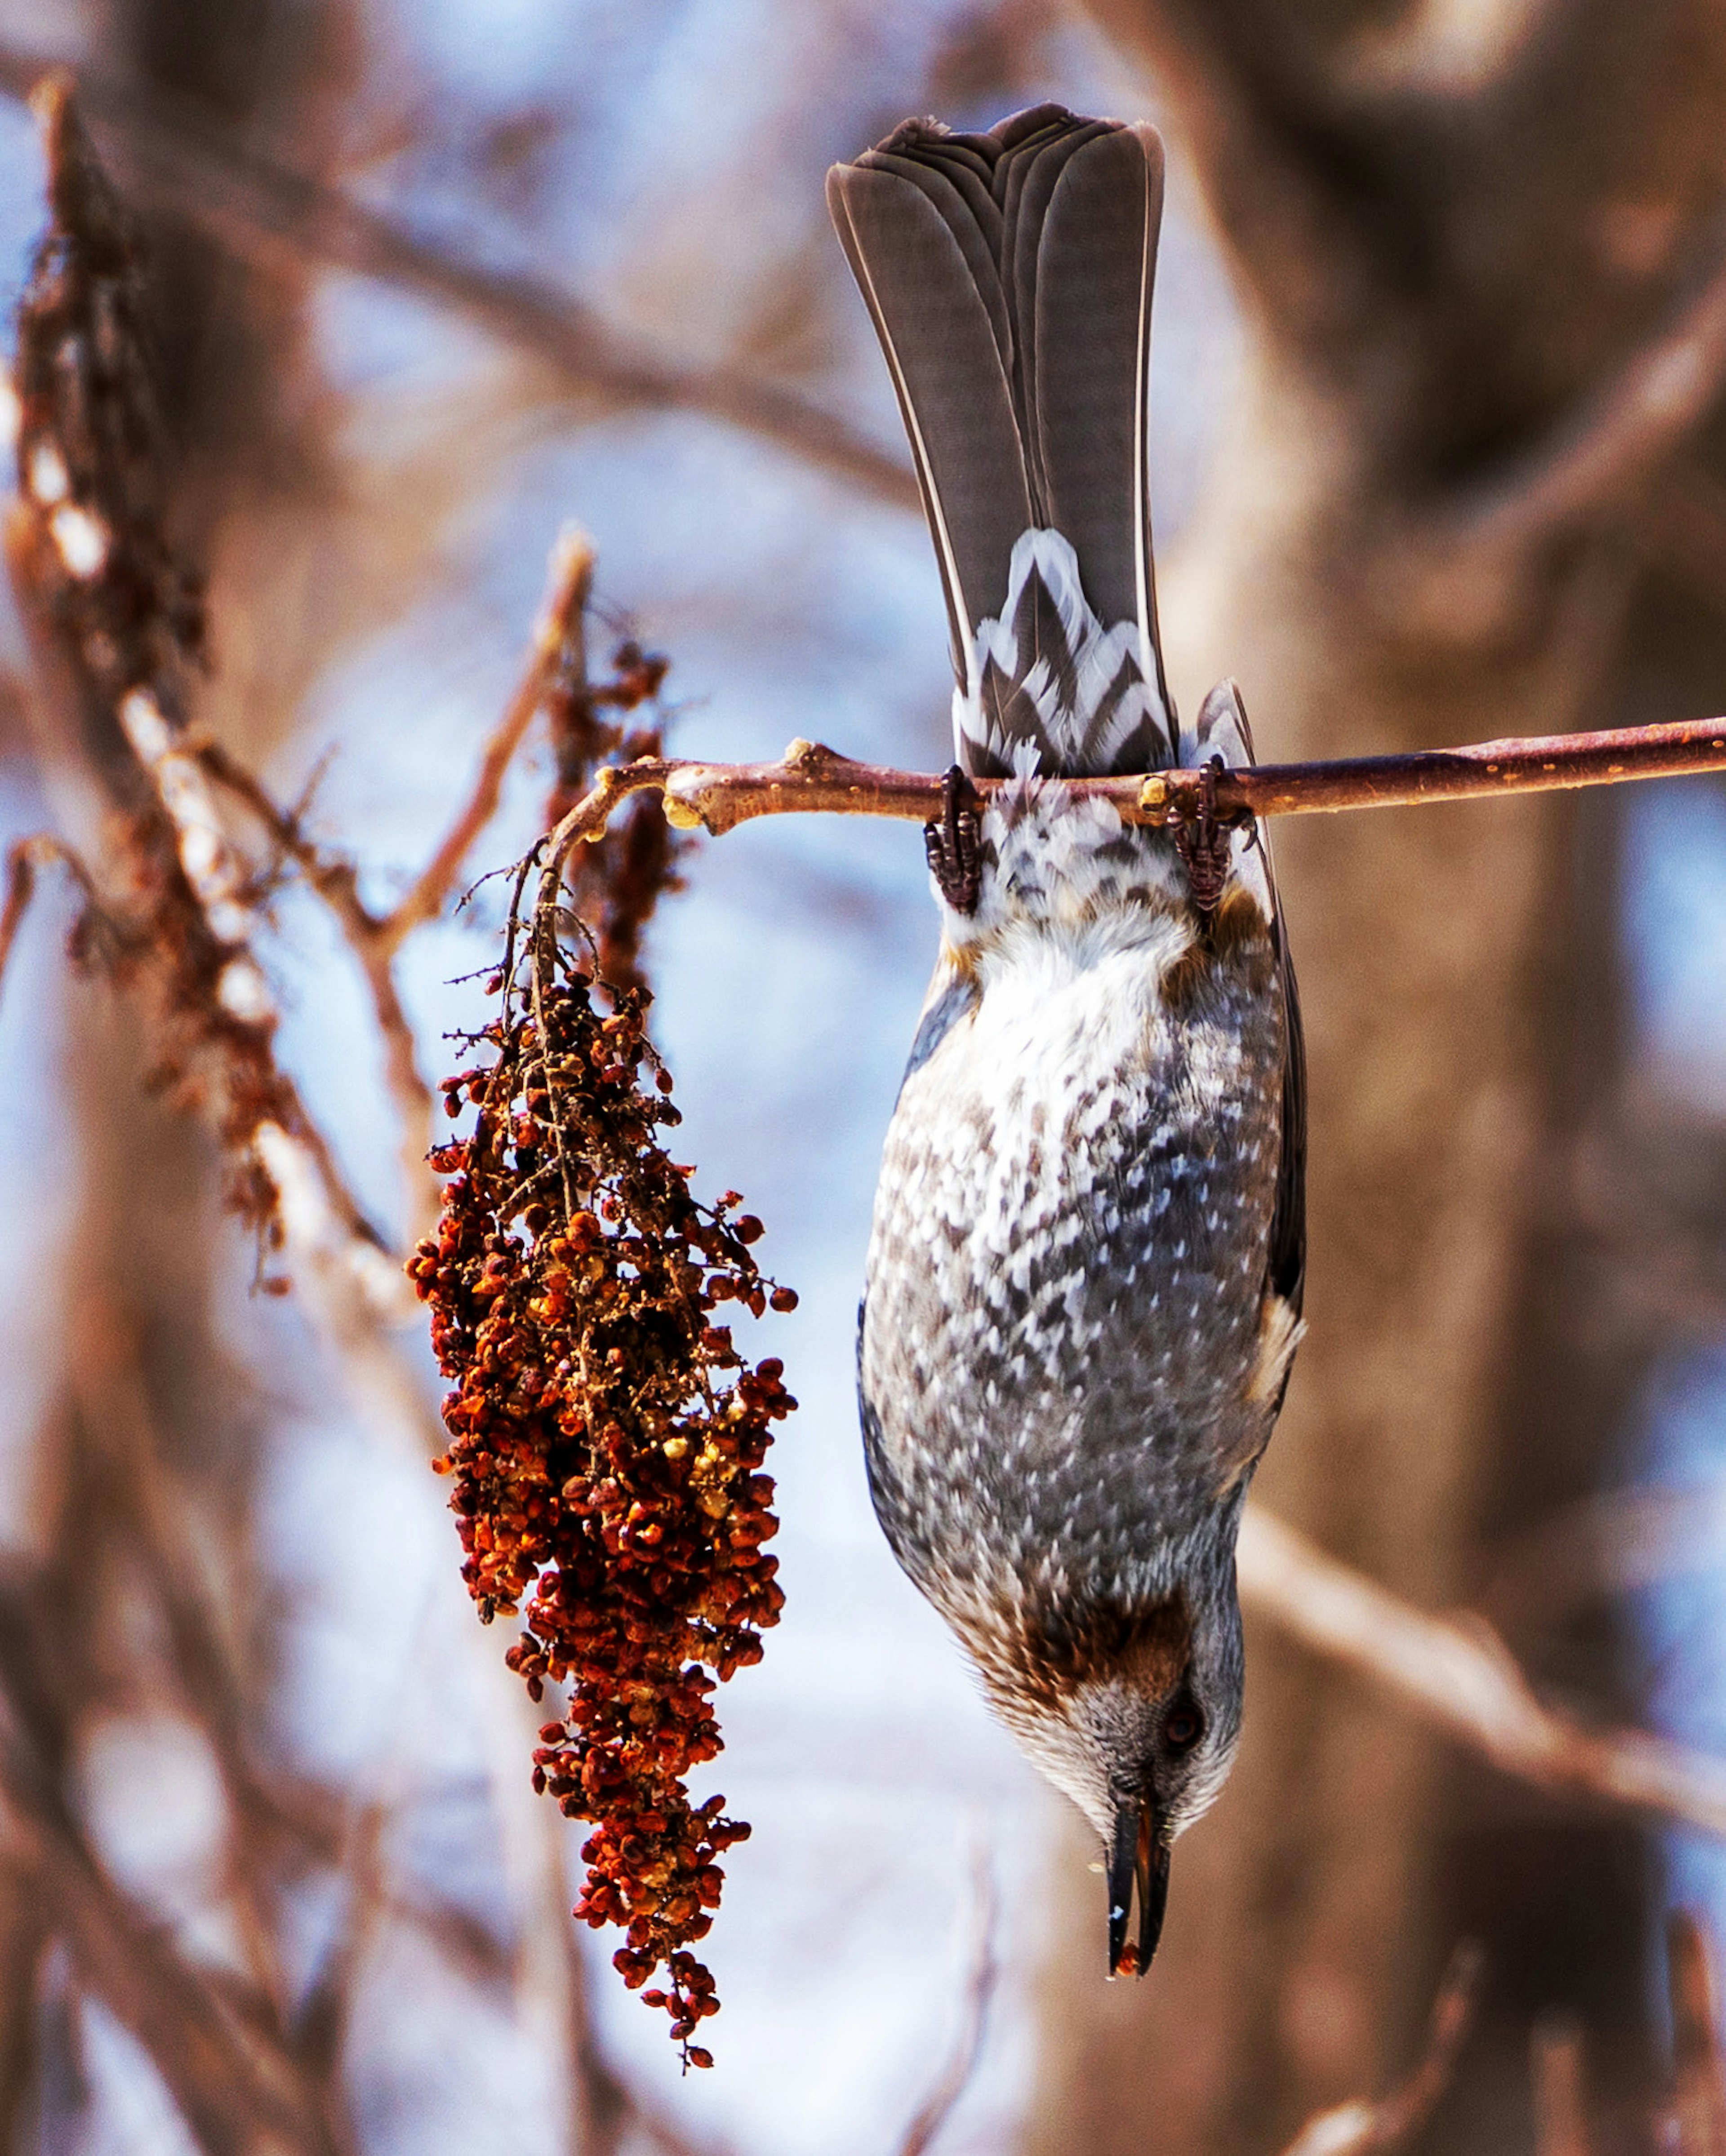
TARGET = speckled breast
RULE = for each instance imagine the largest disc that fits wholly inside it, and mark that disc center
(1067, 1351)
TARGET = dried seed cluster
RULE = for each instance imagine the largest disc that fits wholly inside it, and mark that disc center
(170, 909)
(607, 1440)
(618, 880)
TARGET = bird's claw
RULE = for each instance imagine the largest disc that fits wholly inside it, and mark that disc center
(1203, 846)
(954, 843)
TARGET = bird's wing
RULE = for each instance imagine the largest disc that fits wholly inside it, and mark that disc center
(1286, 1271)
(1224, 730)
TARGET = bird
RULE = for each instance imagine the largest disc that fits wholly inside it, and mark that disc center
(1083, 1289)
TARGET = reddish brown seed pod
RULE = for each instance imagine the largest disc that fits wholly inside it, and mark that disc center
(604, 1445)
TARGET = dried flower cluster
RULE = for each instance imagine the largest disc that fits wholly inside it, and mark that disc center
(117, 623)
(90, 453)
(607, 1440)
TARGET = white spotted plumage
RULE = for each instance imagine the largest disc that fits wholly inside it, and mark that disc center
(1060, 1346)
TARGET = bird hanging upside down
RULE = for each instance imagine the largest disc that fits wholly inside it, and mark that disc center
(1084, 1279)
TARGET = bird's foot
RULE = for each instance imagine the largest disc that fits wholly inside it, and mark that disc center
(1203, 843)
(954, 844)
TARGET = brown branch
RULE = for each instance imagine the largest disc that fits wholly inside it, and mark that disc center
(1658, 398)
(571, 583)
(955, 2078)
(1352, 2129)
(1555, 2070)
(1458, 1675)
(24, 858)
(180, 158)
(370, 938)
(809, 779)
(1698, 2067)
(373, 938)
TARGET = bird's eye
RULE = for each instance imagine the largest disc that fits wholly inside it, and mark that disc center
(1183, 1729)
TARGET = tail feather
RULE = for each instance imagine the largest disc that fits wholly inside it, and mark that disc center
(943, 344)
(1009, 277)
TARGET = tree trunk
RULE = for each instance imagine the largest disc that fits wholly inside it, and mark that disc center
(1446, 280)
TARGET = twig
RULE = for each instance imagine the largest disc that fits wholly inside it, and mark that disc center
(1699, 2068)
(569, 585)
(1555, 2069)
(20, 888)
(1612, 1544)
(1458, 1674)
(337, 881)
(937, 2106)
(1661, 395)
(1351, 2129)
(809, 779)
(180, 158)
(24, 858)
(375, 938)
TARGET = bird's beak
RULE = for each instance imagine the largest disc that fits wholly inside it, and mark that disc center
(1139, 1856)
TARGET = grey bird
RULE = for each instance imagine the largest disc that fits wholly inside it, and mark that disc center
(1084, 1279)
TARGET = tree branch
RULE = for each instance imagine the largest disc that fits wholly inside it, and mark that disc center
(812, 779)
(1353, 2129)
(373, 938)
(1610, 443)
(569, 586)
(1698, 2067)
(180, 158)
(24, 858)
(937, 2106)
(1458, 1675)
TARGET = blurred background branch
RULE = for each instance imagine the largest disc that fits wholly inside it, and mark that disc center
(1438, 415)
(184, 162)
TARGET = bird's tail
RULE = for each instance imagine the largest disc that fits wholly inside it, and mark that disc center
(1010, 277)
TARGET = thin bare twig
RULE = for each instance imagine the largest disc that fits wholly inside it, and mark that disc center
(1661, 395)
(180, 157)
(1458, 1674)
(569, 586)
(810, 778)
(1555, 2070)
(24, 858)
(956, 2075)
(1698, 2067)
(1353, 2129)
(375, 938)
(337, 881)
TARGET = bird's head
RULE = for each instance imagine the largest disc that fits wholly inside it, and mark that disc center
(1134, 1711)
